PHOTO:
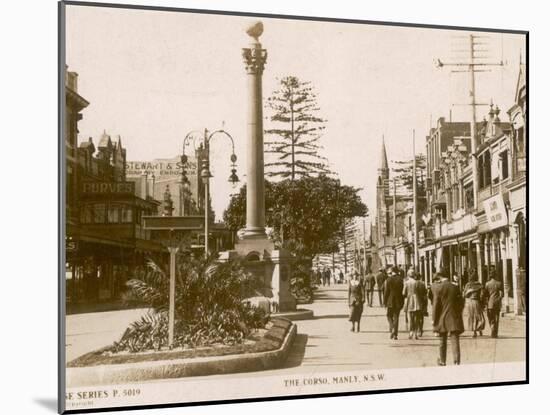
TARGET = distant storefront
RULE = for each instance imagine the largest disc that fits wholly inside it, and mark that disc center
(105, 242)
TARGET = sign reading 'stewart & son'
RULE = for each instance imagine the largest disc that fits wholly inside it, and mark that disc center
(161, 167)
(495, 210)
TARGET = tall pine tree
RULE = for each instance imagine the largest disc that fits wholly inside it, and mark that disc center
(293, 142)
(403, 173)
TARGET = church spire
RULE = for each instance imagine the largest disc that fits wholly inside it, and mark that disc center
(383, 170)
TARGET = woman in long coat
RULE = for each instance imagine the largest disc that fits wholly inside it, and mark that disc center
(356, 299)
(473, 294)
(413, 303)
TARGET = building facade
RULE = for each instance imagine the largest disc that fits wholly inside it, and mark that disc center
(448, 227)
(105, 242)
(481, 228)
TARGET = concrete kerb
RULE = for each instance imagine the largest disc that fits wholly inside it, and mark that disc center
(300, 314)
(177, 368)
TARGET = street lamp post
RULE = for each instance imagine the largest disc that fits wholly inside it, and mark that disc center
(184, 184)
(205, 173)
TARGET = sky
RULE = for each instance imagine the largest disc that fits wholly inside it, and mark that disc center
(154, 76)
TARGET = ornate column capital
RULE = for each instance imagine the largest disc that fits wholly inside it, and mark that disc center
(254, 59)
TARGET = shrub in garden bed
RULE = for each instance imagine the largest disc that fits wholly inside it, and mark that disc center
(209, 306)
(272, 339)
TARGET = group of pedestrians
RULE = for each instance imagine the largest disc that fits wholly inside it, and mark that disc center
(409, 294)
(324, 277)
(478, 298)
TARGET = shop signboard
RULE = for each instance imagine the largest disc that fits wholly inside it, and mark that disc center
(495, 211)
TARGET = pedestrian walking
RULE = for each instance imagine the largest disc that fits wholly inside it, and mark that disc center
(401, 274)
(380, 282)
(447, 318)
(370, 282)
(521, 290)
(474, 297)
(494, 302)
(422, 294)
(326, 277)
(340, 278)
(318, 277)
(393, 299)
(413, 305)
(356, 300)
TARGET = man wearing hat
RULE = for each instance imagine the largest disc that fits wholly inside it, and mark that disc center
(447, 308)
(393, 299)
(380, 280)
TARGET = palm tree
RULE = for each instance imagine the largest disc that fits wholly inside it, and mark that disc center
(210, 306)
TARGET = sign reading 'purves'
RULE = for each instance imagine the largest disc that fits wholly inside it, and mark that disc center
(94, 188)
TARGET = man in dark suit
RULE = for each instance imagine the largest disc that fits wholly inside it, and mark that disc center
(326, 277)
(393, 299)
(380, 280)
(447, 317)
(494, 302)
(370, 282)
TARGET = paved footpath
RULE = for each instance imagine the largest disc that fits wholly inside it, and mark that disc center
(325, 343)
(327, 340)
(90, 331)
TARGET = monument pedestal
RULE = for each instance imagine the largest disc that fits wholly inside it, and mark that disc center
(272, 267)
(281, 261)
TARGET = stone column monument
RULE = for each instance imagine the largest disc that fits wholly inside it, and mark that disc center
(270, 265)
(254, 59)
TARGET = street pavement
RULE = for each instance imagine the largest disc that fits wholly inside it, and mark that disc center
(90, 331)
(325, 343)
(327, 340)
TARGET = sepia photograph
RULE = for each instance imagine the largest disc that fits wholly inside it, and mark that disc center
(267, 206)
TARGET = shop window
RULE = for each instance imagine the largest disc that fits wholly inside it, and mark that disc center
(469, 197)
(86, 214)
(99, 213)
(113, 214)
(126, 214)
(504, 164)
(480, 172)
(484, 169)
(520, 139)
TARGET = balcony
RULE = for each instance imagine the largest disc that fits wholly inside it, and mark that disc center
(458, 226)
(492, 190)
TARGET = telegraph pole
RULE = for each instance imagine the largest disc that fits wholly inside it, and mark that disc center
(364, 251)
(345, 251)
(394, 216)
(415, 223)
(474, 63)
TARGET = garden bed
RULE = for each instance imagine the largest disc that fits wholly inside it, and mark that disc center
(263, 340)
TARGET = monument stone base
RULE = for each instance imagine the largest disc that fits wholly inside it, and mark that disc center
(272, 267)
